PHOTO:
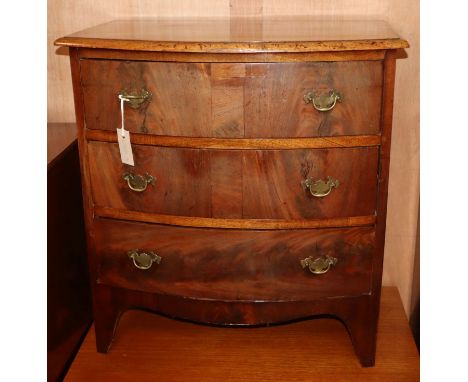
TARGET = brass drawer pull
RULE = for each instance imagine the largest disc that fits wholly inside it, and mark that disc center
(143, 260)
(320, 188)
(136, 99)
(324, 101)
(138, 182)
(319, 265)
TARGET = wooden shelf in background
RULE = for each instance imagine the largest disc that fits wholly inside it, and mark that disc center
(149, 347)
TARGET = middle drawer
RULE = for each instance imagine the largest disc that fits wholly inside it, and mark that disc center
(250, 184)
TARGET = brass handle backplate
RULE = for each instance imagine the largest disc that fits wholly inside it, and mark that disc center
(142, 259)
(320, 188)
(137, 182)
(323, 101)
(319, 265)
(136, 99)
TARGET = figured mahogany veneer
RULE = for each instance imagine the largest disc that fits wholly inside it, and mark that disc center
(233, 264)
(229, 138)
(234, 100)
(236, 184)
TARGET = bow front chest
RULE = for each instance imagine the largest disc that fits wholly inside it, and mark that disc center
(247, 181)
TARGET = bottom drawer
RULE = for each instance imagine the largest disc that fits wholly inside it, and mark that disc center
(234, 264)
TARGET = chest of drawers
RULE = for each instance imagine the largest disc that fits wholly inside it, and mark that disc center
(261, 156)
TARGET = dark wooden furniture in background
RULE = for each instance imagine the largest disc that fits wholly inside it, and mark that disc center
(149, 347)
(231, 129)
(69, 312)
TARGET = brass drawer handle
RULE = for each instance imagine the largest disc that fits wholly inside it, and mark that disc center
(319, 265)
(136, 99)
(320, 188)
(143, 260)
(324, 101)
(138, 182)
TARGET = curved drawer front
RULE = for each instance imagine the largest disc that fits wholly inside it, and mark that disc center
(235, 100)
(234, 264)
(253, 184)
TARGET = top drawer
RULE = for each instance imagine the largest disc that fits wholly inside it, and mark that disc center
(235, 100)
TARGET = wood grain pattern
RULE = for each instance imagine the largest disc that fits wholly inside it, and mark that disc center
(181, 96)
(384, 168)
(88, 212)
(111, 54)
(275, 105)
(84, 169)
(255, 34)
(272, 179)
(223, 47)
(234, 100)
(240, 143)
(233, 223)
(235, 265)
(189, 181)
(83, 154)
(149, 346)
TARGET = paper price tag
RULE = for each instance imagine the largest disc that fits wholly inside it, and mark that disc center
(123, 137)
(126, 153)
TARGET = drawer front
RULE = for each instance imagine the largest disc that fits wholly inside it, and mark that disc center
(235, 100)
(234, 264)
(253, 184)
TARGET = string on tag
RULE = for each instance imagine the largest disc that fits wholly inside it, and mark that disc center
(122, 100)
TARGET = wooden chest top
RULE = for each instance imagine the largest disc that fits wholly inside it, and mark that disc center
(237, 35)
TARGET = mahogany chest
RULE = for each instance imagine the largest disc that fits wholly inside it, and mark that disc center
(258, 189)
